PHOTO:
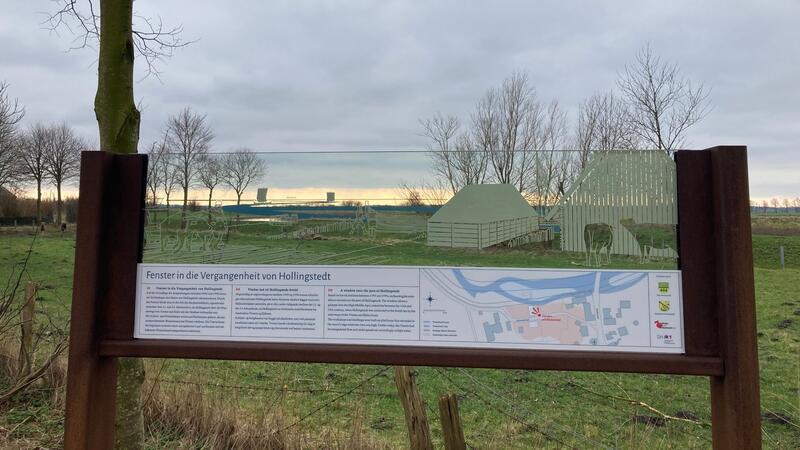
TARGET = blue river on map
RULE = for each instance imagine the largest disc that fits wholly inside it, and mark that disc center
(575, 286)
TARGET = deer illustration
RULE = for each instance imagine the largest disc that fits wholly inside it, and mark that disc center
(650, 236)
(598, 238)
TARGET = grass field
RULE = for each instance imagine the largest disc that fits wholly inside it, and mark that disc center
(326, 403)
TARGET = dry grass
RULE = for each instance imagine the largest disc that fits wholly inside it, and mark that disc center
(54, 378)
(777, 225)
(179, 416)
(205, 420)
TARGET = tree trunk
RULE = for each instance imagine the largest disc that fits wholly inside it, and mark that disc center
(38, 202)
(128, 423)
(183, 210)
(210, 192)
(58, 204)
(154, 210)
(114, 107)
(118, 124)
(238, 202)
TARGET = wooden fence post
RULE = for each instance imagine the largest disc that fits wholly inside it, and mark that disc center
(419, 433)
(25, 358)
(451, 422)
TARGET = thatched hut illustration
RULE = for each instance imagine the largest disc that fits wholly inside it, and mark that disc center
(482, 215)
(624, 203)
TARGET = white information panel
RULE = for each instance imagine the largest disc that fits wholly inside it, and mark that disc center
(551, 309)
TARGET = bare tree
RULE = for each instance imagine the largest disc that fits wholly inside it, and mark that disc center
(469, 161)
(514, 105)
(169, 176)
(486, 124)
(124, 33)
(436, 192)
(240, 168)
(11, 113)
(189, 138)
(62, 159)
(410, 195)
(603, 125)
(441, 131)
(431, 191)
(210, 175)
(33, 163)
(507, 127)
(156, 154)
(663, 103)
(552, 163)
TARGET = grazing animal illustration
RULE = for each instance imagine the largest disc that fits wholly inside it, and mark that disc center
(598, 238)
(651, 236)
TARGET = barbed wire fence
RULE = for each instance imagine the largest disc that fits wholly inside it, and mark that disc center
(476, 392)
(502, 400)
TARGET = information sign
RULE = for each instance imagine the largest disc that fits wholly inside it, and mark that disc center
(550, 309)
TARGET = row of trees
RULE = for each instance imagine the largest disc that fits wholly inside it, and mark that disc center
(181, 160)
(514, 137)
(777, 203)
(39, 154)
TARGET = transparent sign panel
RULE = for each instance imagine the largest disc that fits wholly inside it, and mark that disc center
(456, 249)
(564, 252)
(610, 210)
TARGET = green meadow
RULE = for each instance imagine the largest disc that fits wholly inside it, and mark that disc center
(333, 405)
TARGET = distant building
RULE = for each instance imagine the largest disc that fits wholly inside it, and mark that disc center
(261, 195)
(482, 215)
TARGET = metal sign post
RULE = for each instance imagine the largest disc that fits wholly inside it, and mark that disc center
(716, 263)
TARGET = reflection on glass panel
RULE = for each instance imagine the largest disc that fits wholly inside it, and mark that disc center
(615, 210)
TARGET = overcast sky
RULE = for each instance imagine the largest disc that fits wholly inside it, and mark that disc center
(303, 75)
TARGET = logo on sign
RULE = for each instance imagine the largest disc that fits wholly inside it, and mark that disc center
(666, 338)
(663, 287)
(663, 305)
(663, 325)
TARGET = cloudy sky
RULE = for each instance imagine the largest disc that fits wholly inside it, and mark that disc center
(320, 75)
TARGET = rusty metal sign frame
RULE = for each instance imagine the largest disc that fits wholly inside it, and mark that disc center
(715, 258)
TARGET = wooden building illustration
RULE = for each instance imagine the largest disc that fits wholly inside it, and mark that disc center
(624, 202)
(482, 215)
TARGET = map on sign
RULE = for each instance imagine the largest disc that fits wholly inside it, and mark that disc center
(607, 310)
(553, 308)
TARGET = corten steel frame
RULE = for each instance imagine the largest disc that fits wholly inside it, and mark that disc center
(718, 304)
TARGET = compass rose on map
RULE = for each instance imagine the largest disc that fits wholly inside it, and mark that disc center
(430, 299)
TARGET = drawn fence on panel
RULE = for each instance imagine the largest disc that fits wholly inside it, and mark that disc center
(305, 232)
(400, 222)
